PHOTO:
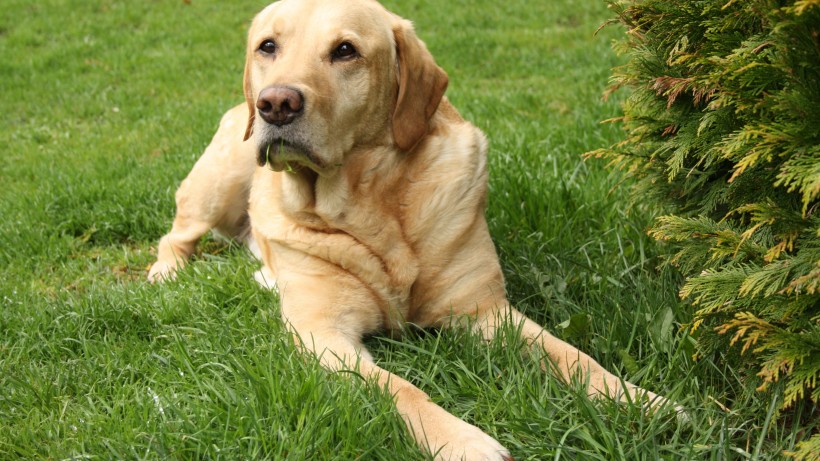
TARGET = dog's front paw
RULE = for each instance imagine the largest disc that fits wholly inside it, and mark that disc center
(464, 442)
(161, 271)
(652, 402)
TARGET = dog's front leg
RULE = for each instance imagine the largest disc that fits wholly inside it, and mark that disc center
(328, 318)
(213, 195)
(568, 361)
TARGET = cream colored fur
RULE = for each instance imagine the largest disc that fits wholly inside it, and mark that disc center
(376, 218)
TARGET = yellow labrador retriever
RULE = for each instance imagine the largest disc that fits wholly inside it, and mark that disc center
(362, 190)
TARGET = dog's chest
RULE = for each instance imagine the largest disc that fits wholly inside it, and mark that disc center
(372, 219)
(360, 233)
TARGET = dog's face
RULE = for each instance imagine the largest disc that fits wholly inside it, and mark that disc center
(324, 76)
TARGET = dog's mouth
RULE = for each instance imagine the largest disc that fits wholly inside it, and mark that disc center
(286, 155)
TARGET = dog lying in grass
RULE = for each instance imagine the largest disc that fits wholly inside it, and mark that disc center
(362, 190)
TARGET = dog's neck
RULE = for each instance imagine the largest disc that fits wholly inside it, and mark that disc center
(325, 202)
(298, 199)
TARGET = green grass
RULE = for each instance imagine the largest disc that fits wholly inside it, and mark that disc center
(106, 105)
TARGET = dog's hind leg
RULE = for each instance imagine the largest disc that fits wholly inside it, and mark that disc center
(214, 195)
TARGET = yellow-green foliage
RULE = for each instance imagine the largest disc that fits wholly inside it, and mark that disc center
(723, 133)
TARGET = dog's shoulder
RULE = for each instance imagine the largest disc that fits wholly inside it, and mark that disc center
(445, 186)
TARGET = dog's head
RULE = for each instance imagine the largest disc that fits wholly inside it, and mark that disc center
(325, 76)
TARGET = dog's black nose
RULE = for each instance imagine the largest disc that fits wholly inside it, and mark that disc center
(280, 105)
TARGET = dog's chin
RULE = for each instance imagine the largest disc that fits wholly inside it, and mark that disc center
(283, 155)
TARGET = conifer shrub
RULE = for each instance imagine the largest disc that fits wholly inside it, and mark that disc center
(722, 123)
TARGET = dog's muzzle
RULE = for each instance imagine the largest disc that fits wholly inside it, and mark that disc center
(282, 145)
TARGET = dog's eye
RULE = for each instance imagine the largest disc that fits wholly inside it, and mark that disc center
(268, 47)
(344, 52)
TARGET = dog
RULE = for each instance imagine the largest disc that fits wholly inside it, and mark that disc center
(362, 190)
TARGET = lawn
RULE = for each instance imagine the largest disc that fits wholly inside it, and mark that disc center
(106, 105)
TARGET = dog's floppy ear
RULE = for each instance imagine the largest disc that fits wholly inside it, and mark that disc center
(246, 87)
(421, 86)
